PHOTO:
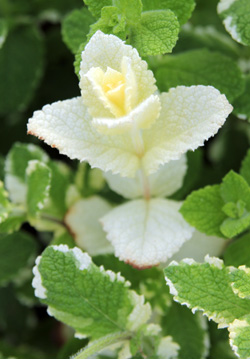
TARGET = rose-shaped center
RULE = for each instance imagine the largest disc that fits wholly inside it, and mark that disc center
(113, 86)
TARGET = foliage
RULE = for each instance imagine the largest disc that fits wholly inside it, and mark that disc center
(157, 79)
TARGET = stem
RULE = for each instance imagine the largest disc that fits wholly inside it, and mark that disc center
(101, 343)
(137, 140)
(47, 217)
(145, 183)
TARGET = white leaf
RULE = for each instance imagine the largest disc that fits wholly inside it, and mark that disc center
(146, 232)
(82, 220)
(167, 180)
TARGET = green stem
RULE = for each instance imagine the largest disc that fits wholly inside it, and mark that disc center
(101, 343)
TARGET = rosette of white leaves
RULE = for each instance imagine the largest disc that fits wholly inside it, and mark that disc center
(120, 123)
(148, 231)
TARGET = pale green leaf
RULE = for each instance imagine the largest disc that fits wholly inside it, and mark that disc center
(156, 33)
(201, 67)
(13, 222)
(206, 287)
(15, 168)
(38, 186)
(239, 334)
(94, 302)
(130, 8)
(75, 28)
(236, 19)
(182, 8)
(203, 210)
(235, 188)
(16, 250)
(23, 46)
(192, 339)
(95, 6)
(241, 281)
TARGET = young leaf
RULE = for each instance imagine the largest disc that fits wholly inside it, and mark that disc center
(95, 6)
(131, 9)
(156, 33)
(94, 302)
(182, 8)
(234, 188)
(38, 186)
(203, 210)
(16, 250)
(193, 340)
(15, 168)
(206, 287)
(75, 28)
(203, 67)
(23, 46)
(239, 334)
(236, 15)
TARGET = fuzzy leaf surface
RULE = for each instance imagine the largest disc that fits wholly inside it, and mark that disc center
(182, 8)
(239, 334)
(206, 287)
(156, 33)
(94, 302)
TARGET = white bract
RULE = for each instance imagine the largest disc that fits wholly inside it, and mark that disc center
(120, 123)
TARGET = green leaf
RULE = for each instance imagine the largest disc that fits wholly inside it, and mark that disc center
(131, 9)
(13, 222)
(235, 188)
(75, 28)
(201, 67)
(245, 168)
(94, 302)
(15, 168)
(60, 181)
(239, 334)
(109, 23)
(192, 339)
(236, 19)
(240, 279)
(3, 31)
(4, 203)
(203, 210)
(23, 47)
(95, 6)
(16, 250)
(182, 8)
(38, 186)
(156, 33)
(242, 103)
(238, 252)
(206, 287)
(209, 37)
(235, 191)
